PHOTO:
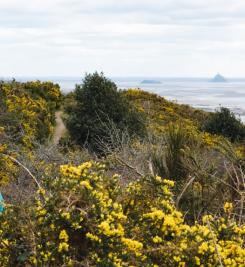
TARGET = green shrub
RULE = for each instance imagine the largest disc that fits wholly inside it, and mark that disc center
(98, 106)
(224, 122)
(168, 159)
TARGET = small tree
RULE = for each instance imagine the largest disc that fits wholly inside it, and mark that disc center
(224, 122)
(98, 102)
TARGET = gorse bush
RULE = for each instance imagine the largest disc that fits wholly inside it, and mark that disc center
(48, 91)
(27, 115)
(6, 166)
(27, 110)
(99, 104)
(84, 217)
(59, 212)
(160, 112)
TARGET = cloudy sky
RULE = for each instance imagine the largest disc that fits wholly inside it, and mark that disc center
(122, 38)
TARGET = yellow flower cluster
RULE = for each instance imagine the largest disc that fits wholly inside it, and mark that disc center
(7, 167)
(63, 245)
(133, 245)
(29, 105)
(4, 244)
(90, 217)
(228, 207)
(75, 172)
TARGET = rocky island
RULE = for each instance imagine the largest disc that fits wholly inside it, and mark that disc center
(150, 82)
(218, 79)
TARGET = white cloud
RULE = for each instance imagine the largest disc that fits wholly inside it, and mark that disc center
(140, 37)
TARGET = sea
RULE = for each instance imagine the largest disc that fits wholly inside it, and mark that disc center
(197, 92)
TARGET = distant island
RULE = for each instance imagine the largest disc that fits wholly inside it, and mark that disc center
(218, 79)
(150, 82)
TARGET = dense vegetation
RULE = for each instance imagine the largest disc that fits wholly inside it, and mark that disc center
(225, 123)
(27, 110)
(161, 191)
(99, 107)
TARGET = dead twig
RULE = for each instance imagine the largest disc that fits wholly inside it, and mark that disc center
(24, 167)
(184, 189)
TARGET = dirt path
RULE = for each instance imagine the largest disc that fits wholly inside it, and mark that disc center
(60, 128)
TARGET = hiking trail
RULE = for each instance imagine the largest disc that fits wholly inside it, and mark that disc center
(60, 128)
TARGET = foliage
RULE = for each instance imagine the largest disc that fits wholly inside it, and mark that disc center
(27, 110)
(224, 122)
(48, 91)
(208, 170)
(169, 161)
(85, 217)
(99, 104)
(60, 212)
(161, 112)
(7, 167)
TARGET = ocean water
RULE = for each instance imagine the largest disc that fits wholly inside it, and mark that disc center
(197, 92)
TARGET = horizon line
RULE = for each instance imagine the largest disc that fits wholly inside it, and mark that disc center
(117, 76)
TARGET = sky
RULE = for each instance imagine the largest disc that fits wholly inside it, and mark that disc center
(167, 38)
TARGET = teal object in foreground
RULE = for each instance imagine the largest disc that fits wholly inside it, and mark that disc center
(1, 203)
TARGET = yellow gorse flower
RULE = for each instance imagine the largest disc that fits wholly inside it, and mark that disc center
(63, 236)
(228, 207)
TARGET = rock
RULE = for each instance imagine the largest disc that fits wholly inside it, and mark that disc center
(219, 79)
(150, 82)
